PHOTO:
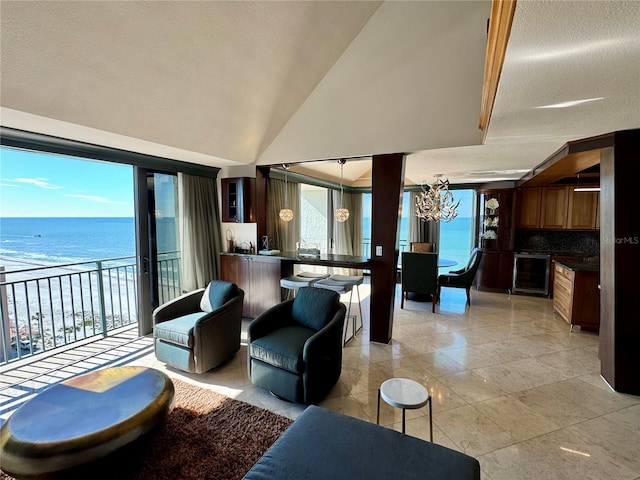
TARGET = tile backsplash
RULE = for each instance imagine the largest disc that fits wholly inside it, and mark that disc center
(558, 242)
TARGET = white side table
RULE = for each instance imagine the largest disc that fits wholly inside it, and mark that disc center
(405, 394)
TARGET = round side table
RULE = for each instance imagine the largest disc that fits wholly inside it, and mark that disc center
(405, 394)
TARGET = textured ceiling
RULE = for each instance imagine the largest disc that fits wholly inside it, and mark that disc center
(237, 83)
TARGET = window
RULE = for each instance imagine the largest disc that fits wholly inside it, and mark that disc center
(456, 238)
(313, 216)
(366, 223)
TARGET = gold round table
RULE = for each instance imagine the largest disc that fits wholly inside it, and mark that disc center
(83, 419)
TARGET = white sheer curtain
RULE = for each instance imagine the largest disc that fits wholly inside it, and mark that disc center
(200, 237)
(284, 235)
(419, 230)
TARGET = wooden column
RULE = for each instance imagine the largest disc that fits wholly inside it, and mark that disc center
(386, 210)
(620, 263)
(262, 174)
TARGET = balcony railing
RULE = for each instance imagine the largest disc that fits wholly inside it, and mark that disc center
(45, 308)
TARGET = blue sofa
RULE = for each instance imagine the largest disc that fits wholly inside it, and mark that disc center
(322, 444)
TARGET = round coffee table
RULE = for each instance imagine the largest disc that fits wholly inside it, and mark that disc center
(83, 419)
(405, 394)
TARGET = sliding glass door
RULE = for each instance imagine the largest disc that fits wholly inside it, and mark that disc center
(158, 242)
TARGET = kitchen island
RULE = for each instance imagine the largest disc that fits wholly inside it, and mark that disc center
(576, 294)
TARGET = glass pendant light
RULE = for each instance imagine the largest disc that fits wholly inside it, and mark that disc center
(286, 214)
(341, 214)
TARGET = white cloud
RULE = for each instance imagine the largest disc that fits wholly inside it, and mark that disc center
(3, 184)
(38, 182)
(95, 198)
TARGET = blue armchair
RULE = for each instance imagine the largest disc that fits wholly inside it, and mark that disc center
(201, 329)
(462, 278)
(295, 347)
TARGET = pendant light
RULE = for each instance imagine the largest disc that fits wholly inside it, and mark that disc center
(341, 213)
(286, 214)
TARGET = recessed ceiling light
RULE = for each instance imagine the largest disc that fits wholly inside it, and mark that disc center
(571, 103)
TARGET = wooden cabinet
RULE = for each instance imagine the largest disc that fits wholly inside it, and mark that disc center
(528, 211)
(555, 202)
(238, 200)
(495, 273)
(496, 240)
(557, 207)
(497, 220)
(258, 276)
(583, 210)
(576, 297)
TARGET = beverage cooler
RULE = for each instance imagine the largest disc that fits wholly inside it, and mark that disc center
(531, 273)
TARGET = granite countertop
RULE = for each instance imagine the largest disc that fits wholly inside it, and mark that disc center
(325, 259)
(580, 266)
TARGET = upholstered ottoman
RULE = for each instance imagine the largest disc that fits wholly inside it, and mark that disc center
(322, 444)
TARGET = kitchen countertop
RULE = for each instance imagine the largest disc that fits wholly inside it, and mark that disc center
(580, 266)
(325, 259)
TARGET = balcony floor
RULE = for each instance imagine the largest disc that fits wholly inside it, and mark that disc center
(510, 384)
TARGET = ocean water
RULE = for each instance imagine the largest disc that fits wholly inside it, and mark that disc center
(456, 240)
(47, 241)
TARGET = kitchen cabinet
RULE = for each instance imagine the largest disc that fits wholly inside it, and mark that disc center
(555, 202)
(495, 273)
(576, 297)
(583, 210)
(238, 200)
(528, 210)
(258, 276)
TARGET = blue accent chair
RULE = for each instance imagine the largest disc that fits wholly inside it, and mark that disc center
(295, 347)
(201, 329)
(462, 278)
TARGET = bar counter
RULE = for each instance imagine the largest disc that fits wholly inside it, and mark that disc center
(259, 275)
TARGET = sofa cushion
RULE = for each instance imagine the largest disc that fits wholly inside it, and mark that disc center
(217, 294)
(315, 307)
(282, 348)
(179, 330)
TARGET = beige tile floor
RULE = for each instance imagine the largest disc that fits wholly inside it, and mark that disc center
(510, 385)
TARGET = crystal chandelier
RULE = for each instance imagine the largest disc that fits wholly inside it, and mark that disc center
(286, 214)
(341, 213)
(436, 202)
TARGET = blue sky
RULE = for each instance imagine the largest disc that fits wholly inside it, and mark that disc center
(43, 185)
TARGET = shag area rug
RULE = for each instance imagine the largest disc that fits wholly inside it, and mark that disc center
(207, 436)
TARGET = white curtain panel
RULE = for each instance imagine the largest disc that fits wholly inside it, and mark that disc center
(284, 235)
(200, 235)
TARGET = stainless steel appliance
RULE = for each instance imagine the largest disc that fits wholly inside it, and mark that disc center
(531, 273)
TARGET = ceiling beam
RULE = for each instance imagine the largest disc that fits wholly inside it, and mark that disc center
(498, 33)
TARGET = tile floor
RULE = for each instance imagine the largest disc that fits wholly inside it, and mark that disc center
(510, 385)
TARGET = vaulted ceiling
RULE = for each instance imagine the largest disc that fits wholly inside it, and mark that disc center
(243, 83)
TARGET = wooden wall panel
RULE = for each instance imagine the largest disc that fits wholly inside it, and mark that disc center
(620, 263)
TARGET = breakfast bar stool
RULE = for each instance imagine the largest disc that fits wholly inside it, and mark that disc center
(340, 288)
(302, 279)
(356, 281)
